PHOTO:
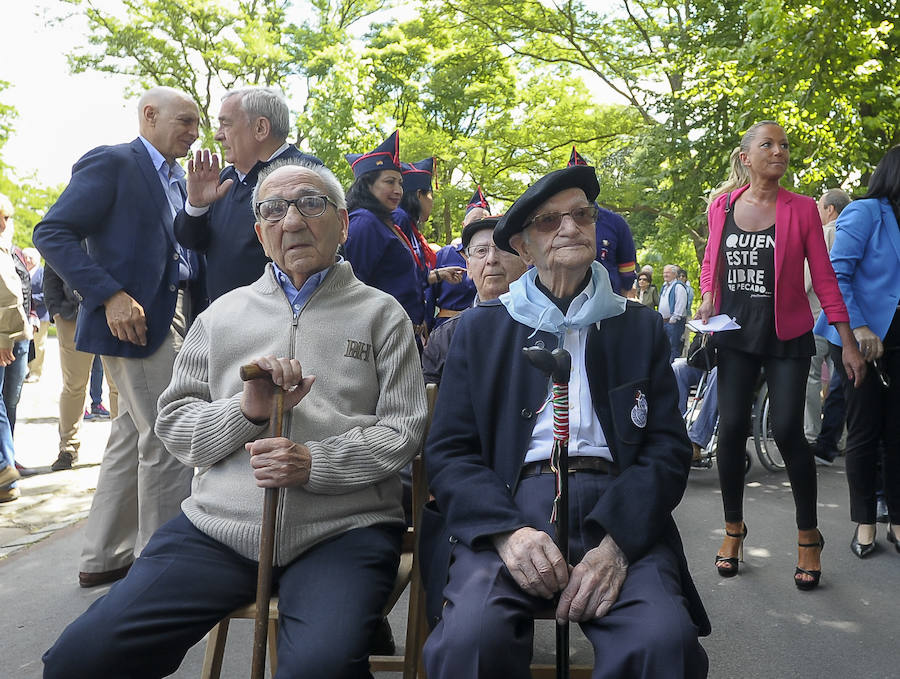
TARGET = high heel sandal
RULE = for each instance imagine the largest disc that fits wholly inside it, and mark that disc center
(728, 565)
(816, 575)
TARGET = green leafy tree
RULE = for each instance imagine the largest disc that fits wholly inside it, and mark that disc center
(700, 72)
(204, 47)
(30, 199)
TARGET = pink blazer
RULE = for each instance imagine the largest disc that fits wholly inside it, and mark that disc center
(798, 236)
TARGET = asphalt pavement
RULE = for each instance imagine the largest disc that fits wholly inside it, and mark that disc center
(762, 625)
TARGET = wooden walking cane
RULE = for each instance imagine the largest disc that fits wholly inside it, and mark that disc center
(267, 532)
(558, 364)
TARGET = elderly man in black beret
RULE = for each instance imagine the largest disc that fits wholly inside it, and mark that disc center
(489, 561)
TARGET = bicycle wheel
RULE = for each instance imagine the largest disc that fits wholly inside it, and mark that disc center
(766, 448)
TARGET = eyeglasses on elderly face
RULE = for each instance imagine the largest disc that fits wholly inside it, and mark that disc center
(479, 251)
(550, 221)
(276, 209)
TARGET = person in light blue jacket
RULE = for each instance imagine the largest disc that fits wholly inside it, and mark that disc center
(866, 260)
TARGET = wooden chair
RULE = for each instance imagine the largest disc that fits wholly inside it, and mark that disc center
(410, 662)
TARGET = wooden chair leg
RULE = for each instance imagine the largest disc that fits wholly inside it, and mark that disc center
(415, 624)
(273, 646)
(215, 651)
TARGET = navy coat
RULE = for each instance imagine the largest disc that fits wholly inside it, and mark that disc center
(115, 203)
(483, 421)
(381, 259)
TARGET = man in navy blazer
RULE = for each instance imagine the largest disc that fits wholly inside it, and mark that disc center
(217, 218)
(488, 560)
(110, 237)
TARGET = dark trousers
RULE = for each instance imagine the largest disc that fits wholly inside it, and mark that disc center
(786, 377)
(834, 413)
(873, 416)
(330, 599)
(487, 628)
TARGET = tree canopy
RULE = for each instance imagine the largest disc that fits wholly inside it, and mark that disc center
(498, 92)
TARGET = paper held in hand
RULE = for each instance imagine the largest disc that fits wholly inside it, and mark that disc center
(715, 324)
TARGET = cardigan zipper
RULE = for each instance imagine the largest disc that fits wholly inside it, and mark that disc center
(287, 416)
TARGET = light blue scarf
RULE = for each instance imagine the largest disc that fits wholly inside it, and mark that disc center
(528, 305)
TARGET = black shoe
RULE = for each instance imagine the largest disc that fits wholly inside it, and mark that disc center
(807, 585)
(881, 511)
(87, 580)
(862, 550)
(893, 538)
(63, 461)
(823, 457)
(729, 565)
(383, 639)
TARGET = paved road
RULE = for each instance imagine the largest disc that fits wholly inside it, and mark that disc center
(763, 626)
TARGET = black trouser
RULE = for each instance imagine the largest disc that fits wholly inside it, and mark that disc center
(873, 415)
(786, 377)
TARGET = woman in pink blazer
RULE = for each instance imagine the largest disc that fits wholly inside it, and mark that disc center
(759, 237)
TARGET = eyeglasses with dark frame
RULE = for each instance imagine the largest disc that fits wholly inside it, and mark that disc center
(550, 221)
(276, 209)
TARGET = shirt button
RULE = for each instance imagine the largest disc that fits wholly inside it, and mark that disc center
(175, 256)
(527, 414)
(173, 288)
(453, 540)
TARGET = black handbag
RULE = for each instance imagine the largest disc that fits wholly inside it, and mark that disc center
(701, 353)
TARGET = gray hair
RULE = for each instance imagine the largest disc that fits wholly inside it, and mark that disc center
(333, 188)
(6, 206)
(836, 198)
(268, 103)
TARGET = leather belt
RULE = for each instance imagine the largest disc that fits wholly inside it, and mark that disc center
(598, 465)
(448, 313)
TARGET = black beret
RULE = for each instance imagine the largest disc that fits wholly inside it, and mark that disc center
(478, 225)
(576, 177)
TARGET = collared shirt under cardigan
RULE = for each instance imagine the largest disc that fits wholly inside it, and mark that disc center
(362, 421)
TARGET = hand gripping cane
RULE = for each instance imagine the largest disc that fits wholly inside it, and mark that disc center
(267, 532)
(558, 364)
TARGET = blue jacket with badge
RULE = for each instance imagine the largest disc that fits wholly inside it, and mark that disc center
(482, 427)
(116, 205)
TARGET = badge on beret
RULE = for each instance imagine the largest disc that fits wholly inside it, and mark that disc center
(639, 412)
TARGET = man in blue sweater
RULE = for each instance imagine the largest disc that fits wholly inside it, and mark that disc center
(217, 219)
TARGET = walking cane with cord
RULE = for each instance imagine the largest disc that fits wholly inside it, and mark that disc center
(558, 364)
(267, 532)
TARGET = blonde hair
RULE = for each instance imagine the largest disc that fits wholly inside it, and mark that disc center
(738, 176)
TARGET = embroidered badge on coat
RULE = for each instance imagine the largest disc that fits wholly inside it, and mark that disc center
(359, 350)
(639, 412)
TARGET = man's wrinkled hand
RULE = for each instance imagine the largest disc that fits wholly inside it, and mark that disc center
(257, 397)
(594, 584)
(279, 462)
(533, 560)
(125, 318)
(203, 187)
(6, 357)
